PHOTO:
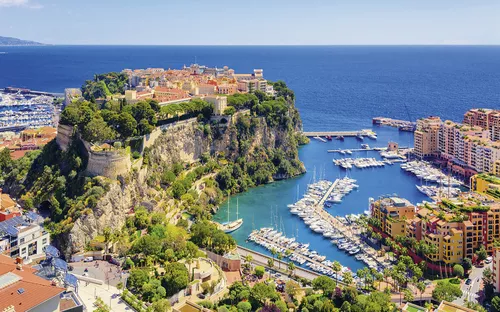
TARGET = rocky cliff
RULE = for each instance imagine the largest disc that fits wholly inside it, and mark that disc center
(184, 142)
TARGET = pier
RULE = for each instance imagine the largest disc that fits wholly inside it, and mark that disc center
(328, 192)
(364, 149)
(337, 133)
(403, 125)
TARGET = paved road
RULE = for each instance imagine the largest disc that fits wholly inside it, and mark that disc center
(470, 292)
(261, 259)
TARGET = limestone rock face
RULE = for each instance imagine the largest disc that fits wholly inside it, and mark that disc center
(185, 142)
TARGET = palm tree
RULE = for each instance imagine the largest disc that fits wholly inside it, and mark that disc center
(291, 267)
(421, 288)
(336, 267)
(270, 263)
(347, 278)
(248, 259)
(274, 252)
(280, 256)
(387, 273)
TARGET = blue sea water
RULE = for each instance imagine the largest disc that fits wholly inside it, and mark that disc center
(337, 88)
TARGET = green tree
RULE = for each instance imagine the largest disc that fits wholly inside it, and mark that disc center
(97, 131)
(162, 305)
(259, 271)
(347, 278)
(261, 292)
(446, 291)
(244, 306)
(280, 257)
(481, 254)
(176, 277)
(292, 288)
(458, 270)
(137, 278)
(126, 125)
(229, 110)
(270, 263)
(346, 307)
(325, 284)
(336, 267)
(495, 304)
(291, 267)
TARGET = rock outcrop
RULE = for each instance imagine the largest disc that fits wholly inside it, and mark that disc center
(183, 142)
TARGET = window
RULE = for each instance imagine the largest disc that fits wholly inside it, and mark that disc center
(44, 241)
(23, 251)
(21, 241)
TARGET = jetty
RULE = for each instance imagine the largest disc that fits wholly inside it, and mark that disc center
(321, 203)
(363, 133)
(403, 125)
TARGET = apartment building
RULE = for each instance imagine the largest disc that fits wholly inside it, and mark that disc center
(468, 149)
(456, 235)
(426, 137)
(392, 213)
(496, 268)
(487, 119)
(23, 236)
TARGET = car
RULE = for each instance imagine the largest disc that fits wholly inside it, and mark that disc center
(88, 259)
(488, 261)
(468, 281)
(201, 296)
(114, 261)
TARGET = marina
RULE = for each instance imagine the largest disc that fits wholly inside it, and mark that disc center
(343, 232)
(257, 205)
(337, 134)
(25, 110)
(426, 172)
(297, 252)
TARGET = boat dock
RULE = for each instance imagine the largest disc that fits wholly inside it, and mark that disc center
(364, 149)
(337, 133)
(297, 254)
(328, 192)
(401, 124)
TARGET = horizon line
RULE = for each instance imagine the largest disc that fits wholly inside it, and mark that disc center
(259, 45)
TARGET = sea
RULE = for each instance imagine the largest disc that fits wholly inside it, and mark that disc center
(336, 87)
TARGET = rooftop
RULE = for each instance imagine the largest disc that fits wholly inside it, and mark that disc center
(446, 306)
(21, 288)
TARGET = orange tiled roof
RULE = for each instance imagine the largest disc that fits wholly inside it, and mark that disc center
(36, 289)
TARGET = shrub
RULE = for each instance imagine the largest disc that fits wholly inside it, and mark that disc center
(136, 155)
(259, 271)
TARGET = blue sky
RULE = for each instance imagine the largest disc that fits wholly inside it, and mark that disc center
(266, 22)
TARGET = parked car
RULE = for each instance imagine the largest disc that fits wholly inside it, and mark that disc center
(114, 261)
(88, 259)
(468, 281)
(201, 296)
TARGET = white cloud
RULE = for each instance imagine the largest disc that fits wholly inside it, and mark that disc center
(20, 3)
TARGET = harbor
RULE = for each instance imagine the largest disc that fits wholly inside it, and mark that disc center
(343, 232)
(259, 206)
(337, 134)
(20, 110)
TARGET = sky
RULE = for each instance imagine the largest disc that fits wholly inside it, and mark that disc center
(253, 22)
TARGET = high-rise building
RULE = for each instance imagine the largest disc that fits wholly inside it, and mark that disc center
(426, 143)
(488, 119)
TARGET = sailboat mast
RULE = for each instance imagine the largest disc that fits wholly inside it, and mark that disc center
(237, 202)
(228, 200)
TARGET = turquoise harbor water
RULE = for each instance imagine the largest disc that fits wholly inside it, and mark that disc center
(259, 206)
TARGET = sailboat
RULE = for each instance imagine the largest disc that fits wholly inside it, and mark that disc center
(232, 226)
